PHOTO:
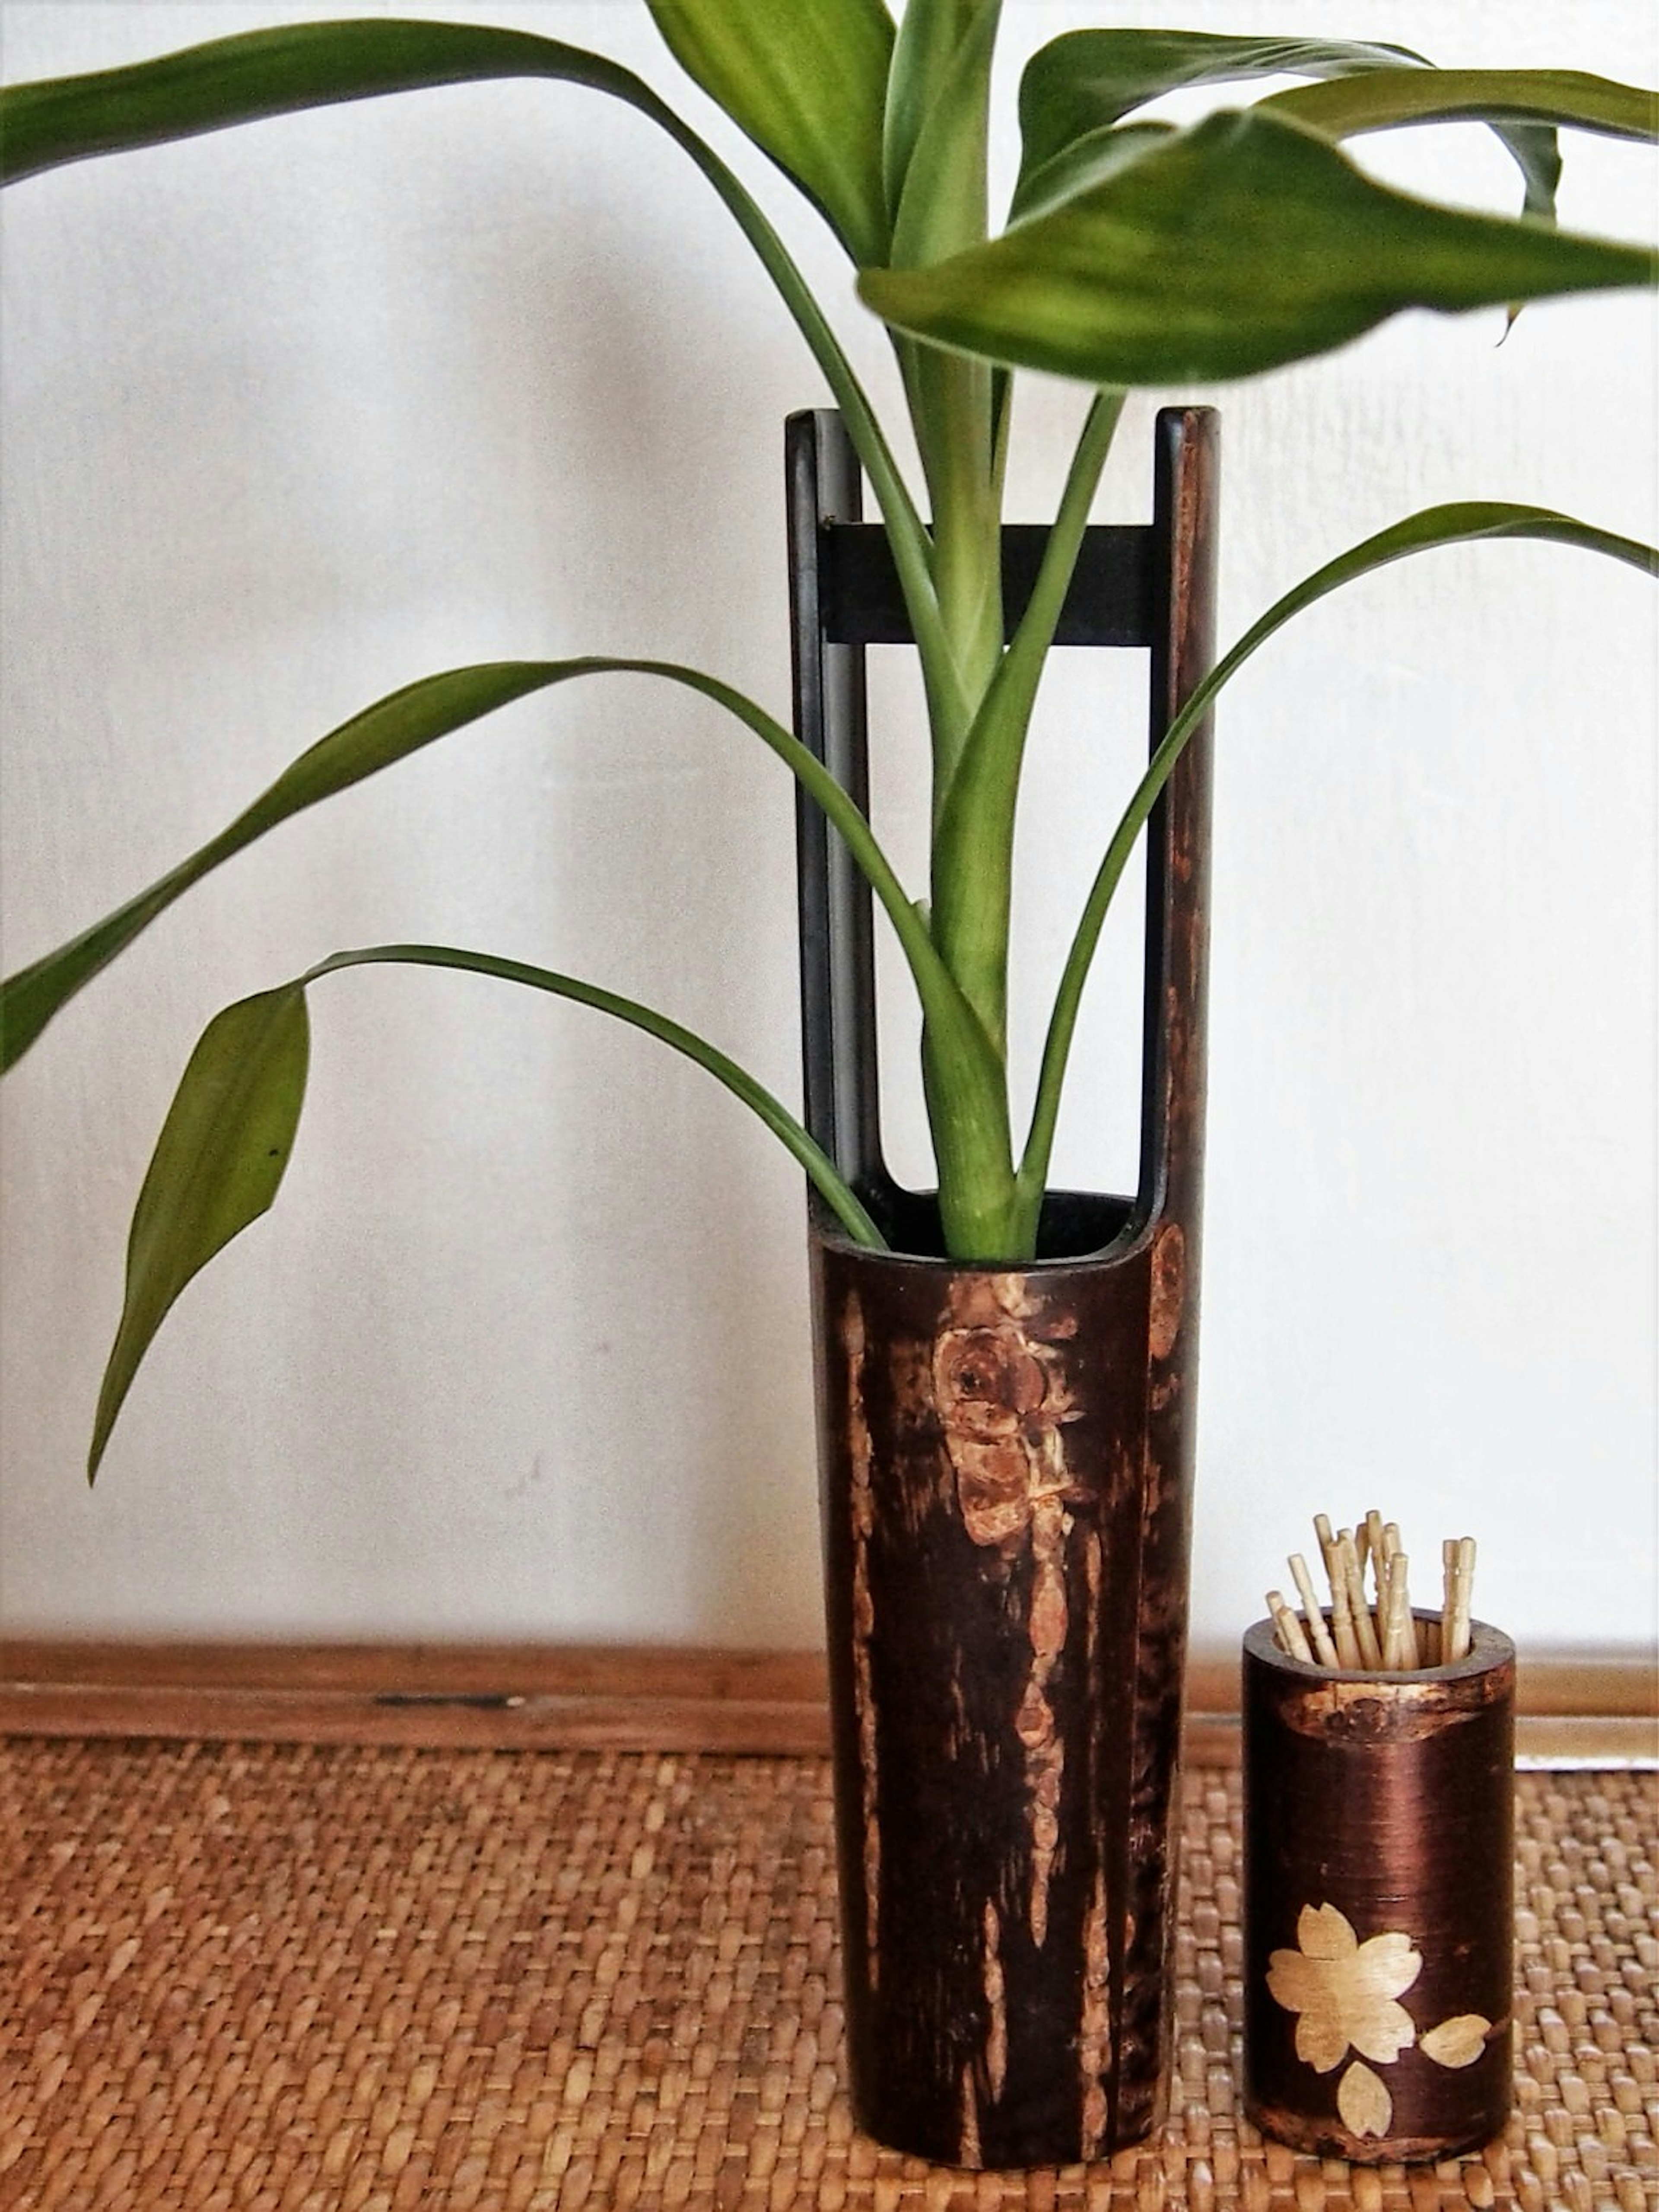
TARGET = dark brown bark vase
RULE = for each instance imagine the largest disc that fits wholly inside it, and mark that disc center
(1006, 1463)
(1006, 1497)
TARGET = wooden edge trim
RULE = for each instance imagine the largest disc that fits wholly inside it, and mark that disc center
(529, 1696)
(631, 1670)
(1574, 1709)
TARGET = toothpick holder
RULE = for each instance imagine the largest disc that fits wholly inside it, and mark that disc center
(1378, 1901)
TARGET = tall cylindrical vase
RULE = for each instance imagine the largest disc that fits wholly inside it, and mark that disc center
(1006, 1450)
(1006, 1490)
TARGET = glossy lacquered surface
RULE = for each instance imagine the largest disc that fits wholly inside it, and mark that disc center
(1378, 1911)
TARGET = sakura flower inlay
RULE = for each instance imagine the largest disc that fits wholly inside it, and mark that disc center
(1346, 1996)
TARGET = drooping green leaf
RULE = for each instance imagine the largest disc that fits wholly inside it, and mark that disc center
(255, 74)
(1083, 82)
(229, 1133)
(1088, 160)
(388, 731)
(414, 717)
(403, 723)
(1085, 79)
(808, 82)
(1523, 106)
(1076, 89)
(821, 1171)
(1460, 522)
(1234, 247)
(217, 1165)
(1389, 97)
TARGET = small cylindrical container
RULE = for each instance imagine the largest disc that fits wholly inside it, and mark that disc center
(1378, 1901)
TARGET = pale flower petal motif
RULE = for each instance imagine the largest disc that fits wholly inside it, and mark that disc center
(1322, 1932)
(1364, 2106)
(1457, 2042)
(1343, 1991)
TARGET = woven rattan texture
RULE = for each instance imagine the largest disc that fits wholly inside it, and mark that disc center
(325, 1979)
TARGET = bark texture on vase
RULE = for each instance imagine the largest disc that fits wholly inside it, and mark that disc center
(1007, 1472)
(1005, 1536)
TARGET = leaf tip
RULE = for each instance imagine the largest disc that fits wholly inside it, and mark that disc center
(112, 1395)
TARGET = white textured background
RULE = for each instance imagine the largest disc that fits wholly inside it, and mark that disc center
(293, 416)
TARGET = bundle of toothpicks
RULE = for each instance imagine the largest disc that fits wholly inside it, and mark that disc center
(1373, 1631)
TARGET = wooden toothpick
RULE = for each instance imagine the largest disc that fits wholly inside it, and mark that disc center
(1365, 1629)
(1374, 1549)
(1461, 1577)
(1288, 1628)
(1399, 1644)
(1374, 1630)
(1313, 1613)
(1342, 1635)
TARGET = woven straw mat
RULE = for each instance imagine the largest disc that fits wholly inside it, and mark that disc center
(353, 1981)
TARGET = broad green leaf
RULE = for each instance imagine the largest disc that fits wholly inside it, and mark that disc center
(1085, 79)
(1234, 247)
(1089, 159)
(413, 718)
(1081, 83)
(217, 1165)
(230, 1130)
(388, 732)
(1461, 522)
(259, 74)
(808, 82)
(940, 203)
(930, 35)
(1523, 106)
(1388, 98)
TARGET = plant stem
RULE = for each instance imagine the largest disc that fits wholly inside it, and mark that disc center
(951, 407)
(973, 871)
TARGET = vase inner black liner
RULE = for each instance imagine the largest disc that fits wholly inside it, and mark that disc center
(1074, 1224)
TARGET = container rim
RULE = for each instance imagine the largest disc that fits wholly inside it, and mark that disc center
(1489, 1647)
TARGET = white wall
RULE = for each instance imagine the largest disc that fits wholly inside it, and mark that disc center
(292, 417)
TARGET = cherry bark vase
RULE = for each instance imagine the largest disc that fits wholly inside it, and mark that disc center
(1006, 1457)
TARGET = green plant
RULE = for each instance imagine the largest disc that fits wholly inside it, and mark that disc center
(1136, 253)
